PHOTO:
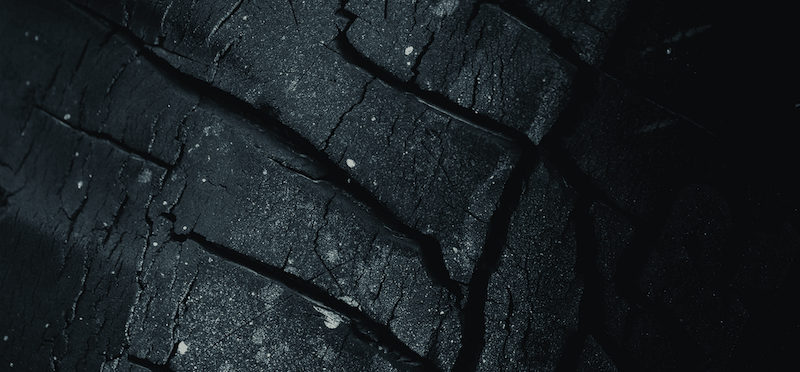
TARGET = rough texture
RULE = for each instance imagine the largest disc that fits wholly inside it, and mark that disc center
(289, 50)
(588, 24)
(532, 299)
(387, 186)
(475, 55)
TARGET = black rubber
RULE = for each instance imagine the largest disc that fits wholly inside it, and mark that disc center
(436, 185)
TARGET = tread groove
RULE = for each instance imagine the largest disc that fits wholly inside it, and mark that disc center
(265, 118)
(400, 354)
(437, 101)
(473, 326)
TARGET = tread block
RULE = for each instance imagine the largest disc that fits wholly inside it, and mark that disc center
(589, 24)
(475, 55)
(533, 296)
(282, 60)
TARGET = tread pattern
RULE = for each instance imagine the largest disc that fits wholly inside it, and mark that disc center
(361, 185)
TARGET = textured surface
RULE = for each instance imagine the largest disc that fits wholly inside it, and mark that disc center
(388, 186)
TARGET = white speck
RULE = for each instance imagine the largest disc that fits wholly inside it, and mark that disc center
(182, 348)
(374, 118)
(204, 180)
(408, 63)
(441, 312)
(27, 82)
(669, 50)
(67, 116)
(145, 176)
(164, 203)
(350, 301)
(76, 154)
(27, 34)
(351, 163)
(36, 38)
(11, 364)
(409, 50)
(264, 172)
(185, 228)
(332, 320)
(47, 325)
(244, 18)
(196, 145)
(155, 244)
(5, 338)
(445, 8)
(80, 184)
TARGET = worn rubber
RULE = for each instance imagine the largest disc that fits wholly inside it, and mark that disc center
(429, 185)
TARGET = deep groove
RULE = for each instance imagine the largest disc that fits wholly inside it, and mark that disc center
(266, 117)
(587, 86)
(104, 137)
(584, 97)
(144, 363)
(559, 44)
(473, 327)
(432, 99)
(366, 329)
(591, 316)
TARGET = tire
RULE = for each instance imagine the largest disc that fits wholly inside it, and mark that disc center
(381, 186)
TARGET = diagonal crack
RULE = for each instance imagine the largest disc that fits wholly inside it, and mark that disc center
(587, 88)
(366, 329)
(418, 61)
(108, 139)
(222, 21)
(473, 326)
(266, 118)
(591, 312)
(342, 45)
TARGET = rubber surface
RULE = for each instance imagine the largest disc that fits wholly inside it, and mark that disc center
(386, 185)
